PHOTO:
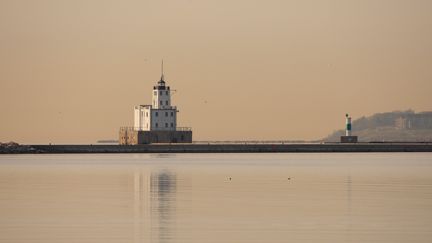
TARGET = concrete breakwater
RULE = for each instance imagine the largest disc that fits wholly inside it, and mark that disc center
(232, 148)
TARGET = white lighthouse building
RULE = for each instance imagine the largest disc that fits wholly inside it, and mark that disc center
(156, 123)
(160, 116)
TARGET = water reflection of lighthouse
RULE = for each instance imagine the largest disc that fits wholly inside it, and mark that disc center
(154, 206)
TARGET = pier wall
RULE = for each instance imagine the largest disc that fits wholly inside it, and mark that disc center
(235, 148)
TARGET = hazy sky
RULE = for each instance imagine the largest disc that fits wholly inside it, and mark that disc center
(72, 71)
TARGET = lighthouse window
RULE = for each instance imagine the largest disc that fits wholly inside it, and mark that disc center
(166, 124)
(166, 113)
(156, 113)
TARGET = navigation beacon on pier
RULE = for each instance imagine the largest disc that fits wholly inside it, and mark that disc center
(156, 123)
(348, 138)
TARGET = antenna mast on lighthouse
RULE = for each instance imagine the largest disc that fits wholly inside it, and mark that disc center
(162, 72)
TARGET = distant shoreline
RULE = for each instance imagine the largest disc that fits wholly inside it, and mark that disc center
(222, 148)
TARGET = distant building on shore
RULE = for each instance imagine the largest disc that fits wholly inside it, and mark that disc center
(421, 120)
(156, 123)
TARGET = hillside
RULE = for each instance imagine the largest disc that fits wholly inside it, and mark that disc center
(405, 126)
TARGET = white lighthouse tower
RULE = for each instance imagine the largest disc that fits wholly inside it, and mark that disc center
(160, 116)
(156, 123)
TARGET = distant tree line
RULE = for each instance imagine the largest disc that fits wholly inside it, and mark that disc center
(386, 119)
(395, 125)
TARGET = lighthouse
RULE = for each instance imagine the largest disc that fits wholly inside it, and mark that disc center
(348, 138)
(348, 125)
(156, 123)
(160, 115)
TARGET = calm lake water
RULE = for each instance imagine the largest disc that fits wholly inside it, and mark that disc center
(342, 197)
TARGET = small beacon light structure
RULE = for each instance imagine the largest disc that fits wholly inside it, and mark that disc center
(348, 138)
(348, 125)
